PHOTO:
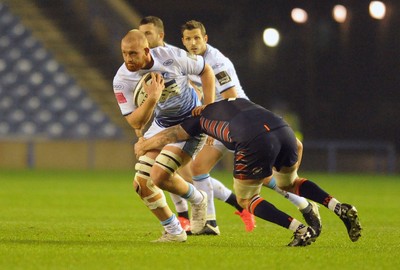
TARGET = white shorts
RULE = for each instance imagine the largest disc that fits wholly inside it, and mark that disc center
(191, 146)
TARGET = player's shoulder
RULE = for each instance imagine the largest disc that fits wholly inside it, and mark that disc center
(213, 56)
(167, 45)
(214, 53)
(123, 74)
(166, 51)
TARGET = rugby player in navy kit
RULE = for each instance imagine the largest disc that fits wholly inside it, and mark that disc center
(263, 142)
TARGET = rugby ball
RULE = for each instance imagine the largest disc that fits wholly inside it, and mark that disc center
(139, 94)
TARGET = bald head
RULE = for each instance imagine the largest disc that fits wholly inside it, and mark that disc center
(135, 37)
(135, 50)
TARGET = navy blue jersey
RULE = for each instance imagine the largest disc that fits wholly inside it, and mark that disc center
(261, 139)
(233, 121)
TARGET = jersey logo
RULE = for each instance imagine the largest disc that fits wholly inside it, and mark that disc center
(118, 86)
(223, 77)
(217, 65)
(120, 98)
(168, 62)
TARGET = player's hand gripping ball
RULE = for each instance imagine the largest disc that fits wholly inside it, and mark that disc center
(139, 94)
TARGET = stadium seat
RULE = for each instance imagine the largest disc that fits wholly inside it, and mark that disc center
(37, 96)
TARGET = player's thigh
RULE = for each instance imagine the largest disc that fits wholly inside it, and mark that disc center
(206, 159)
(168, 161)
(185, 171)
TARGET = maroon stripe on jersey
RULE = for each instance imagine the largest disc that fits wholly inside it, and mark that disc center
(217, 129)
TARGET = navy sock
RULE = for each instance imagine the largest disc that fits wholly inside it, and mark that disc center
(232, 201)
(267, 211)
(312, 191)
(184, 214)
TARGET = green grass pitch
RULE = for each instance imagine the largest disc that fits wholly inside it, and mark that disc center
(94, 220)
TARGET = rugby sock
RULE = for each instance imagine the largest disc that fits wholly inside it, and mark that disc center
(312, 191)
(334, 205)
(300, 202)
(232, 201)
(296, 225)
(172, 225)
(203, 182)
(221, 192)
(184, 214)
(267, 211)
(193, 195)
(181, 205)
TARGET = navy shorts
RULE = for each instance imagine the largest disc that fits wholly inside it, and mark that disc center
(255, 159)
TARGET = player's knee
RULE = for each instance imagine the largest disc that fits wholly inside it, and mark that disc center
(152, 196)
(143, 167)
(285, 180)
(165, 166)
(244, 192)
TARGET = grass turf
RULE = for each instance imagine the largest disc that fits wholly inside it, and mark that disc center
(94, 220)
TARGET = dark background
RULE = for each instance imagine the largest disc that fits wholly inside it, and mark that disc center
(341, 80)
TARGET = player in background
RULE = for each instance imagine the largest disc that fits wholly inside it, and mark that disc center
(227, 83)
(170, 107)
(263, 143)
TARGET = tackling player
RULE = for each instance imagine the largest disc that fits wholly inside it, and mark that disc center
(227, 83)
(263, 143)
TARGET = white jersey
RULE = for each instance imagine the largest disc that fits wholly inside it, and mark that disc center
(225, 73)
(175, 65)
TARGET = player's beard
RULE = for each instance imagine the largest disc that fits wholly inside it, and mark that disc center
(136, 65)
(133, 66)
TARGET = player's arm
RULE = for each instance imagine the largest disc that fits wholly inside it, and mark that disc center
(170, 135)
(229, 93)
(142, 115)
(208, 84)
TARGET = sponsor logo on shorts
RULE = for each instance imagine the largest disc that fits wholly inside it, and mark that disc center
(256, 170)
(223, 77)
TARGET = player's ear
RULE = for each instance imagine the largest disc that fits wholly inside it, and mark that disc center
(205, 38)
(146, 50)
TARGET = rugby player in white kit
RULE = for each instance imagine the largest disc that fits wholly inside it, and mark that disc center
(169, 67)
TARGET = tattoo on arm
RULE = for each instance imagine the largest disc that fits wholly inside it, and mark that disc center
(167, 136)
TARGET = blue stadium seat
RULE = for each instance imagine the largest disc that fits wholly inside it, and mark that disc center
(37, 96)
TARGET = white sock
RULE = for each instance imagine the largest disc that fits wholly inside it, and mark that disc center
(334, 205)
(181, 204)
(300, 202)
(193, 195)
(172, 225)
(203, 182)
(295, 225)
(221, 192)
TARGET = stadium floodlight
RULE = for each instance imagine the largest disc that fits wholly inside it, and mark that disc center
(299, 15)
(271, 37)
(377, 10)
(339, 13)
